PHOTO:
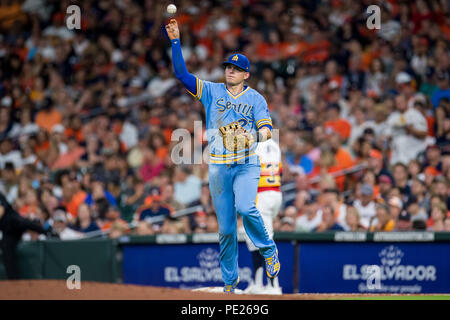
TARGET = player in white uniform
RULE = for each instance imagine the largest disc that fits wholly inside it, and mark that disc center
(268, 202)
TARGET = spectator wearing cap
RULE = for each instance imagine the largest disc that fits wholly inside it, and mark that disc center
(384, 186)
(430, 175)
(384, 221)
(405, 85)
(365, 204)
(310, 217)
(198, 222)
(328, 222)
(369, 177)
(155, 209)
(61, 228)
(287, 224)
(395, 206)
(376, 164)
(403, 222)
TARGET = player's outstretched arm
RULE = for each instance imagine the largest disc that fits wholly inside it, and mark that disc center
(181, 72)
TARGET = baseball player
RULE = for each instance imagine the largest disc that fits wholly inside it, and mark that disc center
(237, 118)
(268, 202)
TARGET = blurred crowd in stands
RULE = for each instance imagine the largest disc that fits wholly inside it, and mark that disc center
(86, 116)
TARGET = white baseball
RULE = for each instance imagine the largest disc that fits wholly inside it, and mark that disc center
(171, 8)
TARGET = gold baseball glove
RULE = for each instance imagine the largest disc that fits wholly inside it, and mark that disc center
(236, 138)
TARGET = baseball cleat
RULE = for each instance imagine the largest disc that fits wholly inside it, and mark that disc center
(230, 288)
(273, 265)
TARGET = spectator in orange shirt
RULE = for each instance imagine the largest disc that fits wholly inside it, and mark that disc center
(75, 128)
(48, 116)
(112, 219)
(156, 142)
(343, 158)
(28, 210)
(336, 123)
(327, 165)
(73, 154)
(77, 198)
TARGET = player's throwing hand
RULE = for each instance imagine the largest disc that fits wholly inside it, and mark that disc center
(172, 29)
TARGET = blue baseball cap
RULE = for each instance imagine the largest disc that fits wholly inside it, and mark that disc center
(239, 60)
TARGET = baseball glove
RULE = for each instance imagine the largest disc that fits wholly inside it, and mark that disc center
(236, 138)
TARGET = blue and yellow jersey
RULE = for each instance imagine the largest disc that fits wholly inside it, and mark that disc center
(248, 108)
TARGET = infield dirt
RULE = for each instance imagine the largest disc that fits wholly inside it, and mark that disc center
(57, 290)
